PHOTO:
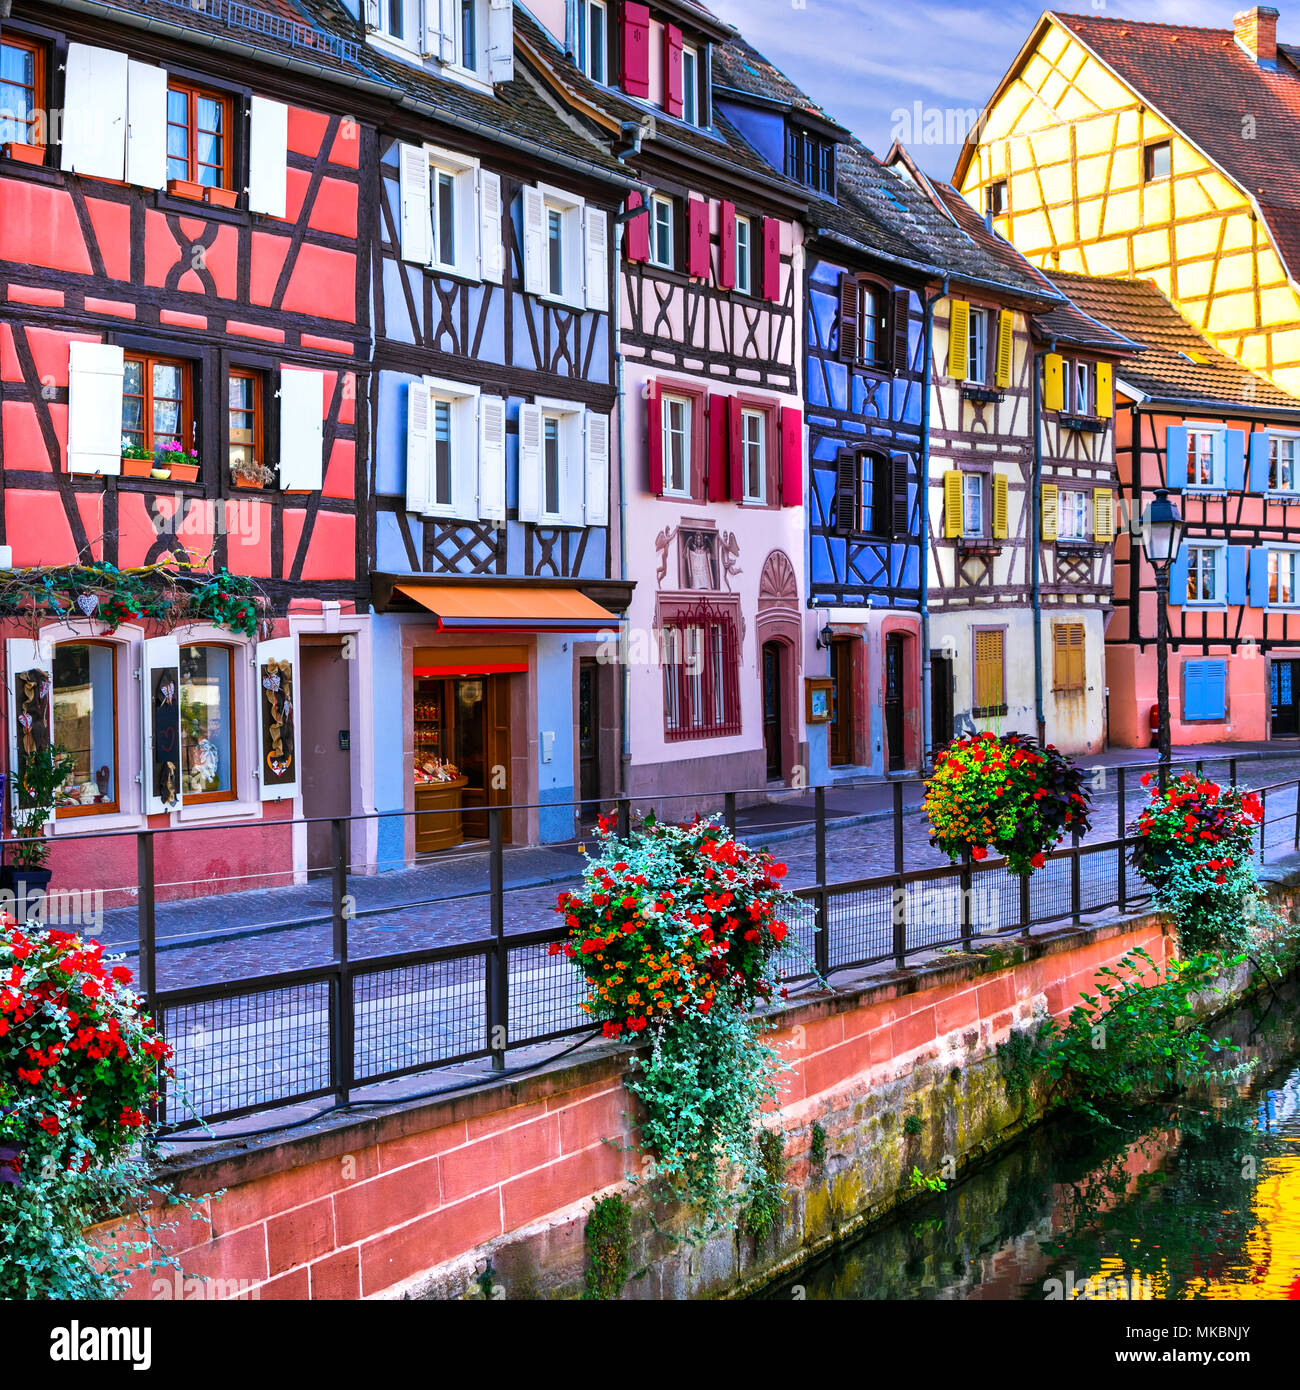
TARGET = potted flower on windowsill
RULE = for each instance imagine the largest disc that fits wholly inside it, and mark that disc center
(44, 772)
(250, 473)
(137, 461)
(185, 188)
(179, 462)
(24, 153)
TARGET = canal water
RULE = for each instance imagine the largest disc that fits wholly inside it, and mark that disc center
(1194, 1200)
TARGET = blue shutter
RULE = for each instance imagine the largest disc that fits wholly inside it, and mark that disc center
(1178, 577)
(1192, 696)
(1237, 573)
(1259, 577)
(1234, 461)
(1214, 688)
(1259, 461)
(1175, 457)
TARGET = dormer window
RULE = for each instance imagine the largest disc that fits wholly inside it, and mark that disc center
(810, 160)
(472, 36)
(593, 39)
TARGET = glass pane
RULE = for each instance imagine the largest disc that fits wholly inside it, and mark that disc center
(84, 722)
(17, 65)
(178, 143)
(178, 169)
(210, 115)
(209, 148)
(205, 720)
(166, 380)
(133, 377)
(132, 414)
(178, 107)
(241, 393)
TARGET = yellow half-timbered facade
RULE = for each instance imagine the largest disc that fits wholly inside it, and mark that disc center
(1158, 151)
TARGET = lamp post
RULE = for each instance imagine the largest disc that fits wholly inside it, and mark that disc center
(1162, 538)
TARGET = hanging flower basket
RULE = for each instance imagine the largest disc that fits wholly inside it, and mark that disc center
(1005, 793)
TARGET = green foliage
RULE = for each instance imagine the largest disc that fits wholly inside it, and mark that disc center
(1016, 1063)
(608, 1238)
(817, 1146)
(912, 1125)
(919, 1182)
(766, 1204)
(1135, 1039)
(45, 770)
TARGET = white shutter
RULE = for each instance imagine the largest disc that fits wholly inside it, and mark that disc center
(160, 698)
(417, 215)
(534, 209)
(491, 248)
(94, 408)
(94, 112)
(277, 723)
(530, 462)
(268, 157)
(596, 510)
(447, 27)
(302, 430)
(146, 125)
(501, 40)
(372, 14)
(30, 701)
(572, 467)
(595, 244)
(419, 447)
(464, 458)
(492, 459)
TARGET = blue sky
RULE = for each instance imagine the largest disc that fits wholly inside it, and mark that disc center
(864, 60)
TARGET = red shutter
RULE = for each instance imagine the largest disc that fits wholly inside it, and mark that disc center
(654, 439)
(727, 235)
(697, 250)
(771, 259)
(636, 49)
(791, 456)
(673, 70)
(736, 472)
(719, 433)
(638, 231)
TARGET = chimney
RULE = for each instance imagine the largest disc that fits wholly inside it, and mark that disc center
(1256, 31)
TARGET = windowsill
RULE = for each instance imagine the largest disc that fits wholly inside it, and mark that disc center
(983, 395)
(979, 545)
(93, 824)
(563, 301)
(1206, 606)
(1283, 496)
(218, 810)
(1079, 543)
(1206, 490)
(1088, 424)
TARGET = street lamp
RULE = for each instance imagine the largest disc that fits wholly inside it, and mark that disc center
(1162, 538)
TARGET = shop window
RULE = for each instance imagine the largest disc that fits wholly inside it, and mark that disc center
(700, 655)
(990, 672)
(198, 136)
(157, 402)
(85, 723)
(207, 723)
(22, 91)
(1068, 658)
(244, 401)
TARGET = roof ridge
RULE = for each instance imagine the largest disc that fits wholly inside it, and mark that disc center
(1141, 23)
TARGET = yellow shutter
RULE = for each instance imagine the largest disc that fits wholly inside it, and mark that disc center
(958, 339)
(952, 518)
(1048, 510)
(988, 670)
(1068, 668)
(1053, 382)
(999, 506)
(1002, 368)
(1103, 514)
(1105, 391)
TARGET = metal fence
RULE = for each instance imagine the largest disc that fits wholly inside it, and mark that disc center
(333, 1027)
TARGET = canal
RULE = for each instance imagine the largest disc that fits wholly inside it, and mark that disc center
(1194, 1200)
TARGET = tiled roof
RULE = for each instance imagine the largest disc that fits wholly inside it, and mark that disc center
(1203, 82)
(1178, 364)
(740, 66)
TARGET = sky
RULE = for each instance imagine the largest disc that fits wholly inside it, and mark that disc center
(868, 63)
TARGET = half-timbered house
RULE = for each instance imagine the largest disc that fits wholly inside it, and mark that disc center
(1226, 443)
(183, 340)
(494, 548)
(711, 267)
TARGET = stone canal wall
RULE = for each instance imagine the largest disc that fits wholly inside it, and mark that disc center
(486, 1192)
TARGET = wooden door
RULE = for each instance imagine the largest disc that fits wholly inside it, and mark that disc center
(326, 748)
(588, 731)
(841, 731)
(1284, 694)
(894, 701)
(941, 700)
(772, 675)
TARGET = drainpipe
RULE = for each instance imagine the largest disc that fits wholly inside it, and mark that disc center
(1034, 539)
(616, 308)
(927, 334)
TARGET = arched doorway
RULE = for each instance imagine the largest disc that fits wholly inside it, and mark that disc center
(778, 634)
(773, 683)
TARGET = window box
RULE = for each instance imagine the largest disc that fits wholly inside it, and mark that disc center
(1082, 422)
(988, 711)
(25, 154)
(984, 395)
(137, 468)
(184, 472)
(185, 188)
(977, 545)
(223, 197)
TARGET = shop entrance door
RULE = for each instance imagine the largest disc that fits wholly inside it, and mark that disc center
(941, 700)
(588, 731)
(325, 748)
(1284, 692)
(841, 732)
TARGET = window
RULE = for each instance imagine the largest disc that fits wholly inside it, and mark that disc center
(662, 214)
(1155, 161)
(870, 323)
(198, 136)
(592, 39)
(22, 92)
(1082, 389)
(1072, 516)
(972, 504)
(467, 47)
(442, 193)
(244, 402)
(440, 494)
(552, 466)
(877, 509)
(85, 723)
(753, 453)
(977, 346)
(744, 260)
(555, 251)
(1203, 584)
(677, 445)
(157, 396)
(459, 218)
(1204, 458)
(1282, 458)
(810, 161)
(701, 668)
(990, 672)
(690, 85)
(1283, 572)
(392, 18)
(1068, 658)
(995, 199)
(207, 724)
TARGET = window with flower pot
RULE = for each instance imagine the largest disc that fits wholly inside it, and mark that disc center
(84, 681)
(158, 410)
(248, 466)
(22, 92)
(198, 136)
(207, 675)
